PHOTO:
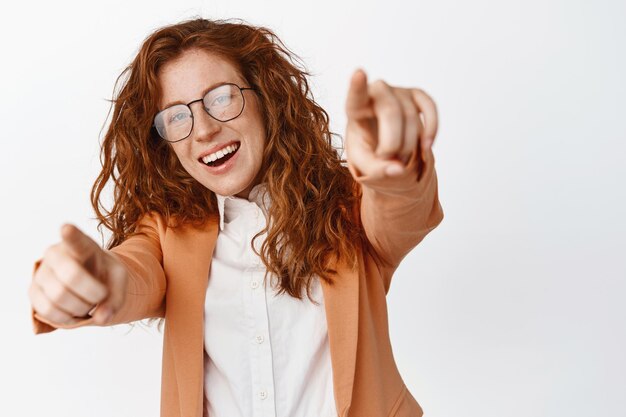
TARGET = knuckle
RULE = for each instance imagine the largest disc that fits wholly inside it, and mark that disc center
(62, 318)
(391, 109)
(46, 309)
(380, 84)
(56, 293)
(409, 106)
(73, 274)
(50, 252)
(417, 94)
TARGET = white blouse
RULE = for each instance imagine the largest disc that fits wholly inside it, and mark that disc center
(265, 355)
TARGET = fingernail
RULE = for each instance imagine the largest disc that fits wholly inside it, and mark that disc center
(393, 170)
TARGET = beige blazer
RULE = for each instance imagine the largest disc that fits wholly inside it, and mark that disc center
(168, 276)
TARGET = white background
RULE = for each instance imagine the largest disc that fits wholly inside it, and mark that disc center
(513, 306)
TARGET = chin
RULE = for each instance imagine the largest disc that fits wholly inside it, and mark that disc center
(223, 189)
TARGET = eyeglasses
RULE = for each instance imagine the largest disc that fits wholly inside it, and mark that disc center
(223, 103)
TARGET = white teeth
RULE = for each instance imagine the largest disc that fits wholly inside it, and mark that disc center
(220, 154)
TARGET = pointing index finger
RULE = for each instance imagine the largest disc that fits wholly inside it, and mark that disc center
(358, 103)
(80, 245)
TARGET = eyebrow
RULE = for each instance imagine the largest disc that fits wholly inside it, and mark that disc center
(206, 90)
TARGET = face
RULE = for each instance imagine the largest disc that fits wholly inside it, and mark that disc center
(187, 79)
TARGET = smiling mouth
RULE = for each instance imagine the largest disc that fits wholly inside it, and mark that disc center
(223, 159)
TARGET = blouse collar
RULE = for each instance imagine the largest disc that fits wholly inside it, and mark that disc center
(258, 195)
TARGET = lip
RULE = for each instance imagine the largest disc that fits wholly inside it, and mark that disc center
(226, 166)
(215, 149)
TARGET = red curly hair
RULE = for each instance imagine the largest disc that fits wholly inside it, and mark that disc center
(314, 210)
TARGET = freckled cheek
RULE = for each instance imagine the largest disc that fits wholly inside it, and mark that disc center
(185, 159)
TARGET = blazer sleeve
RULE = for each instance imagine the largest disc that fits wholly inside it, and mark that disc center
(145, 293)
(398, 212)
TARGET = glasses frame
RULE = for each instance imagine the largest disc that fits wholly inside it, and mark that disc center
(243, 97)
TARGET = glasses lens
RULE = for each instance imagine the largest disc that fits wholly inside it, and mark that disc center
(224, 102)
(174, 123)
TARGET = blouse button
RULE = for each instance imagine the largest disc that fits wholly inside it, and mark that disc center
(259, 339)
(254, 284)
(262, 394)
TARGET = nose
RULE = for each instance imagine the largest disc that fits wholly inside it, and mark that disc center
(204, 126)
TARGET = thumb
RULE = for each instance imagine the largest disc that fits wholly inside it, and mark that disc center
(116, 283)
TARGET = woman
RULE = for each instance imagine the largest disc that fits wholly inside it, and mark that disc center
(224, 174)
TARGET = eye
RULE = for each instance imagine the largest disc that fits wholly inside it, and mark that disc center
(222, 100)
(178, 117)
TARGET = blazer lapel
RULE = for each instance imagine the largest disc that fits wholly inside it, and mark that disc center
(186, 258)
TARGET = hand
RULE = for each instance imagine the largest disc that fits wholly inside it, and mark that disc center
(74, 276)
(385, 126)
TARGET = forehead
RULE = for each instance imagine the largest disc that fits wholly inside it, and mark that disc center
(186, 77)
